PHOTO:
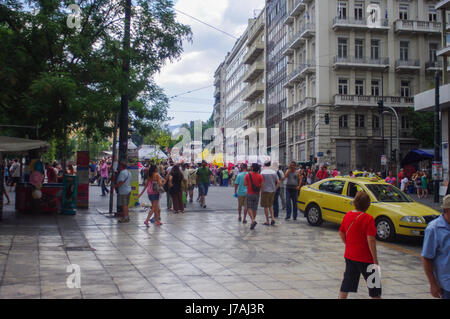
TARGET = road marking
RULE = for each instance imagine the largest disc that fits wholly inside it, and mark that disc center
(400, 249)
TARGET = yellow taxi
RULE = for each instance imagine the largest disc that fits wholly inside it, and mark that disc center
(395, 213)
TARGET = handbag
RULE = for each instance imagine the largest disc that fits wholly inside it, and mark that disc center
(255, 189)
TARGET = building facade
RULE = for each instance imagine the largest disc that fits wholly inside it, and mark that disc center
(343, 58)
(276, 76)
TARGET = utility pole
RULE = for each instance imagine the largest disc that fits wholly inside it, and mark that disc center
(437, 164)
(114, 156)
(123, 121)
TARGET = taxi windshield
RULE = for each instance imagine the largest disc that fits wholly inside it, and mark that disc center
(388, 193)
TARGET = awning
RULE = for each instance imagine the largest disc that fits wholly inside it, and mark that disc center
(416, 156)
(18, 145)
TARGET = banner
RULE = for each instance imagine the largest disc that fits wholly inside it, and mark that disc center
(134, 171)
(83, 179)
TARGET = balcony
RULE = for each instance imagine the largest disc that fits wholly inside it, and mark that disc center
(407, 26)
(445, 52)
(256, 27)
(361, 131)
(308, 30)
(298, 108)
(407, 66)
(253, 111)
(340, 24)
(299, 73)
(287, 51)
(255, 70)
(361, 63)
(372, 101)
(217, 92)
(295, 41)
(376, 132)
(297, 7)
(253, 91)
(433, 66)
(253, 52)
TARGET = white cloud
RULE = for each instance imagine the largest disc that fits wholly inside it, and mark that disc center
(201, 58)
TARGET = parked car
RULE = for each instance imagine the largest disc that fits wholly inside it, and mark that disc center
(395, 213)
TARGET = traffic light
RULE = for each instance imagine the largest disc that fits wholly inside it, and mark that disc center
(380, 106)
(393, 155)
(327, 118)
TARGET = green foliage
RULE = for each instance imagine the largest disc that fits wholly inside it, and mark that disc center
(422, 124)
(65, 80)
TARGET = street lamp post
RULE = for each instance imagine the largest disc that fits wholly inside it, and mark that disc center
(437, 159)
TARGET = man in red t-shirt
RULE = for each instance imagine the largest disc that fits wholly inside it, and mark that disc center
(253, 194)
(358, 233)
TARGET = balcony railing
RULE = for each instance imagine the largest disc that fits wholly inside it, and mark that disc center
(349, 23)
(364, 62)
(301, 72)
(253, 52)
(256, 27)
(299, 107)
(253, 91)
(307, 30)
(295, 40)
(253, 110)
(407, 65)
(372, 101)
(344, 131)
(255, 70)
(417, 26)
(433, 65)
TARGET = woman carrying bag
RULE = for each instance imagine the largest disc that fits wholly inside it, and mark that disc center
(154, 185)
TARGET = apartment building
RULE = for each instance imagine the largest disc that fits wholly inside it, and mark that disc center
(254, 96)
(342, 58)
(219, 106)
(276, 66)
(234, 105)
(426, 100)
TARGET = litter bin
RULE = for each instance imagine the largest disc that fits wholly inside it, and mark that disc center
(23, 197)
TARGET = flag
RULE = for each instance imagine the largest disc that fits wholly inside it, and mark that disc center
(307, 15)
(386, 14)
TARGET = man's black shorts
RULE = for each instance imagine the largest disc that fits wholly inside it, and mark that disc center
(353, 272)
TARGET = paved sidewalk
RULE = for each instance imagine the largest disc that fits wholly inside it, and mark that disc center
(204, 253)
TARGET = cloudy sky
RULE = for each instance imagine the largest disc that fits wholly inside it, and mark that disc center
(200, 59)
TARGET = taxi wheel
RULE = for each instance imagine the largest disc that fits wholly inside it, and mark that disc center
(385, 229)
(314, 215)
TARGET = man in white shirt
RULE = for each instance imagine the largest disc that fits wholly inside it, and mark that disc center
(123, 187)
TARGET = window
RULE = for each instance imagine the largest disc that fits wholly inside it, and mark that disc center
(432, 14)
(342, 47)
(359, 48)
(405, 90)
(403, 12)
(404, 50)
(359, 11)
(359, 87)
(359, 121)
(375, 122)
(343, 86)
(353, 188)
(405, 122)
(335, 187)
(342, 10)
(375, 49)
(375, 88)
(343, 121)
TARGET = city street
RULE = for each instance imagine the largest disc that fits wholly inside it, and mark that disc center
(203, 253)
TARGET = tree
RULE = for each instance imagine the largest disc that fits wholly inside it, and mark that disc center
(67, 80)
(422, 124)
